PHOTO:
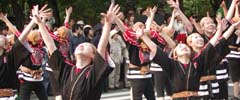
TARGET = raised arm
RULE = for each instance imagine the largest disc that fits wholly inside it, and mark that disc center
(224, 7)
(151, 45)
(170, 25)
(185, 20)
(120, 24)
(109, 18)
(45, 35)
(216, 36)
(196, 25)
(171, 43)
(68, 13)
(230, 30)
(150, 18)
(231, 10)
(8, 23)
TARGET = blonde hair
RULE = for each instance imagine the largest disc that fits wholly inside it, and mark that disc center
(62, 32)
(33, 35)
(189, 38)
(203, 20)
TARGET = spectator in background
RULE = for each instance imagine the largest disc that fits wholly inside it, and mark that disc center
(117, 46)
(75, 38)
(88, 33)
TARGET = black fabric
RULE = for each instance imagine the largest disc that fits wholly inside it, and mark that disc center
(179, 75)
(234, 70)
(133, 54)
(27, 87)
(223, 94)
(88, 86)
(9, 63)
(142, 87)
(161, 83)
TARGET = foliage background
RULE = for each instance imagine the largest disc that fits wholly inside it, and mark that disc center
(89, 10)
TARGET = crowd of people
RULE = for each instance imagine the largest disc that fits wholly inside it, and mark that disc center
(189, 59)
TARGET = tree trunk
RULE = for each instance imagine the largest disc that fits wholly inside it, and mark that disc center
(19, 15)
(54, 5)
(215, 5)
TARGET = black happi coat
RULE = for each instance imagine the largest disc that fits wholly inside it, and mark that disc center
(85, 85)
(185, 79)
(9, 63)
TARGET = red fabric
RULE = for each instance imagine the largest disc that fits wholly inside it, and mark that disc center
(77, 70)
(156, 35)
(181, 38)
(131, 37)
(18, 33)
(67, 25)
(185, 66)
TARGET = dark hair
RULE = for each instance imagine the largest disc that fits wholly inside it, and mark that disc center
(75, 27)
(86, 31)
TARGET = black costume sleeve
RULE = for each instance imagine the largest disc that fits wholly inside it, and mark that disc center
(222, 50)
(100, 69)
(56, 62)
(17, 55)
(161, 58)
(205, 59)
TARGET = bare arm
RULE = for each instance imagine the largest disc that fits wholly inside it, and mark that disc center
(68, 13)
(8, 23)
(26, 31)
(185, 20)
(170, 25)
(110, 16)
(230, 30)
(120, 24)
(214, 39)
(168, 39)
(231, 10)
(196, 25)
(45, 35)
(224, 7)
(151, 17)
(151, 45)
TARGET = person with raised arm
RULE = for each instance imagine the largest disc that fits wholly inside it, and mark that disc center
(83, 80)
(184, 71)
(234, 56)
(181, 24)
(210, 86)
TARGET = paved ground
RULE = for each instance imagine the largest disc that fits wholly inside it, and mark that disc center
(123, 94)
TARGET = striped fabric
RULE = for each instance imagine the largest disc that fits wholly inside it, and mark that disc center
(135, 74)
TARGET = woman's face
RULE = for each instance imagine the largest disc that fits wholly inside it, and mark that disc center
(85, 49)
(196, 40)
(182, 50)
(209, 26)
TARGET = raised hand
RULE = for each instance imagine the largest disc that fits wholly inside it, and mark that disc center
(45, 13)
(69, 10)
(173, 4)
(111, 14)
(223, 4)
(2, 16)
(193, 20)
(36, 15)
(153, 10)
(219, 23)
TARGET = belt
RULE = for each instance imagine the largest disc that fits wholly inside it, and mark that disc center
(143, 69)
(208, 78)
(6, 92)
(36, 74)
(184, 94)
(232, 47)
